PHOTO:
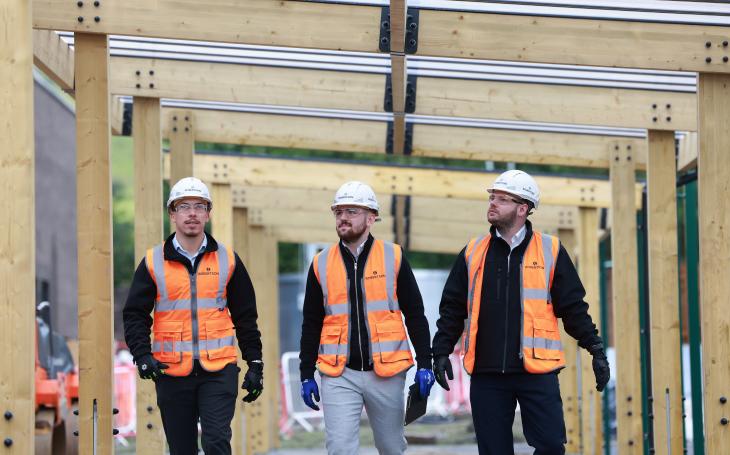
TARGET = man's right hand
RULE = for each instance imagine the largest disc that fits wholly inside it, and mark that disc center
(149, 367)
(310, 393)
(442, 370)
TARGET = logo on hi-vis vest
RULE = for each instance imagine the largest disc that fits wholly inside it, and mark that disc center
(207, 271)
(375, 275)
(535, 265)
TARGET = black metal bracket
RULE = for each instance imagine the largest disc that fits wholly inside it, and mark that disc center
(407, 147)
(127, 119)
(405, 243)
(411, 85)
(411, 43)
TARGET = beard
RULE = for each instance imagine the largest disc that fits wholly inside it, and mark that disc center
(504, 222)
(351, 234)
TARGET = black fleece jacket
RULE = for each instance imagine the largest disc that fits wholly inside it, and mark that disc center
(409, 300)
(142, 294)
(498, 336)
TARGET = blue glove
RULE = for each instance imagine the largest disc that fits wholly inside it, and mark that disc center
(310, 393)
(424, 379)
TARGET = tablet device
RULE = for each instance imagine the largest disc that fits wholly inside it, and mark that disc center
(415, 405)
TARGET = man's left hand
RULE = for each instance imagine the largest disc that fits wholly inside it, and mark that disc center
(253, 381)
(600, 366)
(425, 380)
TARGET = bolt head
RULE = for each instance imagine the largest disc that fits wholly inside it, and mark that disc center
(80, 19)
(149, 409)
(708, 60)
(8, 442)
(723, 400)
(149, 426)
(724, 421)
(97, 18)
(96, 3)
(708, 44)
(79, 4)
(8, 415)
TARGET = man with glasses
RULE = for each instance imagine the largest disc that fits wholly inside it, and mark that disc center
(203, 300)
(510, 286)
(358, 291)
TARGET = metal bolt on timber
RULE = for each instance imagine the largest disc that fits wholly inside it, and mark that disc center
(8, 415)
(8, 442)
(723, 400)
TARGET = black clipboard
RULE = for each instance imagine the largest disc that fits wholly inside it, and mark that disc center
(415, 405)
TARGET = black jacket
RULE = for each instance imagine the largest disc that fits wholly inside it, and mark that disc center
(498, 336)
(409, 299)
(142, 294)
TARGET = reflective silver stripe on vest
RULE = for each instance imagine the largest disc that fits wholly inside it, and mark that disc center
(222, 276)
(332, 310)
(332, 349)
(187, 346)
(158, 263)
(379, 305)
(535, 294)
(391, 346)
(470, 300)
(322, 270)
(543, 343)
(389, 275)
(547, 252)
(184, 304)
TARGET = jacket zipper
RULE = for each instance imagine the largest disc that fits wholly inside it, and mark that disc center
(194, 310)
(357, 312)
(506, 318)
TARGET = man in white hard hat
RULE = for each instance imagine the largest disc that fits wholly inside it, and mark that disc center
(510, 286)
(203, 299)
(358, 292)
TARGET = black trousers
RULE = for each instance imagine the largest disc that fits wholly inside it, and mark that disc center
(208, 396)
(493, 401)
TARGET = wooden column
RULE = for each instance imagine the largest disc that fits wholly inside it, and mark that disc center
(569, 377)
(148, 232)
(94, 224)
(625, 292)
(666, 365)
(222, 227)
(714, 231)
(17, 231)
(240, 245)
(591, 414)
(182, 145)
(263, 414)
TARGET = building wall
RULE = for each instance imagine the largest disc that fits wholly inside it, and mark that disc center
(55, 210)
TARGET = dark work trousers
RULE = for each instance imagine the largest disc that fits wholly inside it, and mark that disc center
(208, 396)
(493, 401)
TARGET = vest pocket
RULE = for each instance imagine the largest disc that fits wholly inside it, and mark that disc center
(545, 339)
(220, 340)
(329, 344)
(392, 344)
(168, 341)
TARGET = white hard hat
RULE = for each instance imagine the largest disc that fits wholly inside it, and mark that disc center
(517, 183)
(356, 193)
(189, 187)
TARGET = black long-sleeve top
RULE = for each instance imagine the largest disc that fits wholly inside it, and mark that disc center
(240, 295)
(498, 335)
(409, 299)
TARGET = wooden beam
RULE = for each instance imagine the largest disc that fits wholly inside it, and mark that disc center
(714, 231)
(522, 146)
(569, 377)
(591, 416)
(428, 140)
(248, 84)
(441, 33)
(570, 41)
(54, 57)
(625, 298)
(663, 294)
(116, 115)
(329, 175)
(94, 225)
(179, 128)
(17, 241)
(240, 246)
(435, 96)
(148, 232)
(557, 103)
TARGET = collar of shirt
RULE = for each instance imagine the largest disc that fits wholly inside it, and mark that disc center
(358, 250)
(190, 256)
(516, 239)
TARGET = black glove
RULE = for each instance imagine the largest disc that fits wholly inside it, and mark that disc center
(253, 381)
(442, 370)
(149, 367)
(600, 366)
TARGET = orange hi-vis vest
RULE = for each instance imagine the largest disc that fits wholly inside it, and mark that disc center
(191, 317)
(390, 353)
(540, 348)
